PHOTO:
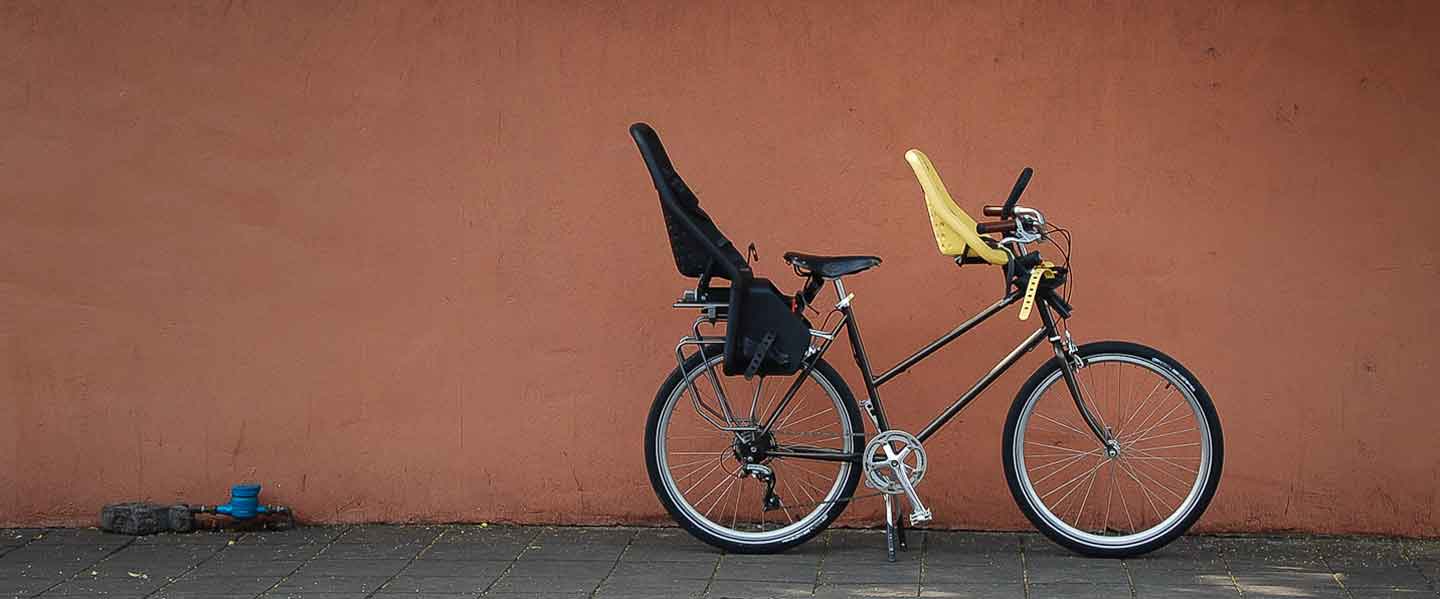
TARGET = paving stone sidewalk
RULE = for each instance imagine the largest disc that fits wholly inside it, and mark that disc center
(449, 562)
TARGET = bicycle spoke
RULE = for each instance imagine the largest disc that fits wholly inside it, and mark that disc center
(1134, 470)
(1072, 461)
(1066, 459)
(1184, 484)
(790, 492)
(718, 464)
(720, 461)
(1059, 447)
(1105, 526)
(1144, 491)
(1080, 483)
(717, 486)
(700, 461)
(1147, 430)
(1125, 505)
(1077, 431)
(721, 498)
(1196, 444)
(1067, 483)
(1080, 511)
(1148, 456)
(735, 510)
(1158, 405)
(1179, 432)
(810, 417)
(808, 496)
(812, 472)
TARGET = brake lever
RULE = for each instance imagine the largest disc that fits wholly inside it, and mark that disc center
(1029, 226)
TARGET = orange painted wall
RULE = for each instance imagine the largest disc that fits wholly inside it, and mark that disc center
(400, 261)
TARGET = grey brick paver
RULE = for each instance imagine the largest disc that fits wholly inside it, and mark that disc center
(669, 545)
(223, 568)
(456, 568)
(974, 575)
(975, 591)
(428, 585)
(677, 588)
(642, 570)
(1182, 591)
(309, 535)
(353, 585)
(856, 591)
(752, 589)
(529, 584)
(375, 551)
(524, 547)
(646, 593)
(501, 562)
(755, 568)
(1383, 577)
(236, 585)
(579, 544)
(1045, 569)
(1078, 590)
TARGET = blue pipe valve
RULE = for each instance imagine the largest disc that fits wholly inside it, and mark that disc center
(244, 502)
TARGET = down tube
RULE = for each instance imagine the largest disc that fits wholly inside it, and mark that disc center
(979, 387)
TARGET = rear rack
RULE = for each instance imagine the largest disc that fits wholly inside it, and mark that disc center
(715, 308)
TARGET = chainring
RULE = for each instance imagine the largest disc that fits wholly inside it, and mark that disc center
(889, 450)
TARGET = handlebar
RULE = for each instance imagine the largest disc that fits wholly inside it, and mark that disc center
(1008, 210)
(1004, 226)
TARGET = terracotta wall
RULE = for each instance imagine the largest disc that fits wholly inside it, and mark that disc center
(400, 261)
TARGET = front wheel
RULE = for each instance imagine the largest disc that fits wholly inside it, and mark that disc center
(1137, 494)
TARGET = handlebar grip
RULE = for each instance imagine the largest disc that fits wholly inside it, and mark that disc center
(1004, 226)
(992, 210)
(1009, 209)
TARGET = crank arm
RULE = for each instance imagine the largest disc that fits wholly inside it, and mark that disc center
(919, 514)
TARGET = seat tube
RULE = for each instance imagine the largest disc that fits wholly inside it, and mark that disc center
(862, 361)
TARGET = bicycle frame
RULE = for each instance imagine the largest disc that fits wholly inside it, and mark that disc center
(873, 404)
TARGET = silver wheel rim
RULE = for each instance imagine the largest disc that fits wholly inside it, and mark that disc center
(1165, 525)
(796, 529)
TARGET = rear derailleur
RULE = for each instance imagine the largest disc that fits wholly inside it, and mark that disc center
(751, 454)
(764, 474)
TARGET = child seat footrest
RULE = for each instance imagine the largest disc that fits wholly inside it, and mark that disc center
(758, 352)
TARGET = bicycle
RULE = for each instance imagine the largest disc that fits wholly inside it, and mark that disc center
(1107, 418)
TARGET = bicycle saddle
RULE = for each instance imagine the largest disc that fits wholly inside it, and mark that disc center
(830, 267)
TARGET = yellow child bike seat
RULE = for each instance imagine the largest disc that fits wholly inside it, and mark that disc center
(954, 229)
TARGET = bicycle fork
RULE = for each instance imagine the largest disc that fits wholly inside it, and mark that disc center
(1070, 362)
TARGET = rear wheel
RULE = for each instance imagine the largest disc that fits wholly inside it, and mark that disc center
(1135, 496)
(699, 471)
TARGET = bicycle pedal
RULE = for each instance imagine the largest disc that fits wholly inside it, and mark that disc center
(920, 516)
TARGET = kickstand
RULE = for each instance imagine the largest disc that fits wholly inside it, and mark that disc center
(893, 534)
(900, 534)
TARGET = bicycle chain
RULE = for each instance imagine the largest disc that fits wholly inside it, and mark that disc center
(814, 503)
